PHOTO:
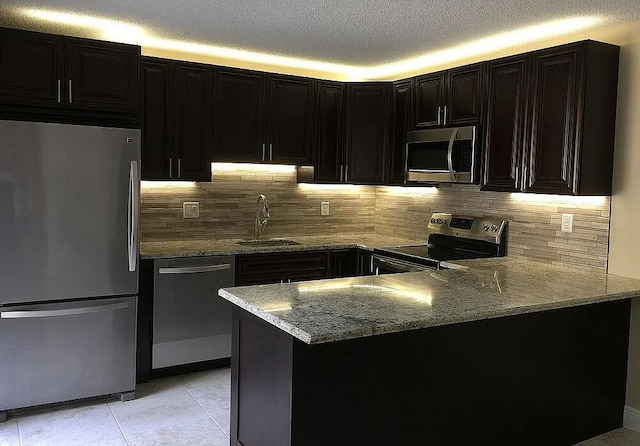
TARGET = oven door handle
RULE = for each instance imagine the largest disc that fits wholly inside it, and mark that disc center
(399, 266)
(450, 154)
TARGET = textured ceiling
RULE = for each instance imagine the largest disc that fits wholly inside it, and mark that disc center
(353, 32)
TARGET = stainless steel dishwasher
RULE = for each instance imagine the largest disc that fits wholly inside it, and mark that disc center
(191, 323)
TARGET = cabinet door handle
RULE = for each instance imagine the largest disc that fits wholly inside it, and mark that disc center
(263, 150)
(70, 91)
(445, 115)
(525, 180)
(170, 167)
(59, 90)
(346, 173)
(341, 172)
(194, 269)
(179, 167)
(517, 176)
(270, 152)
(439, 111)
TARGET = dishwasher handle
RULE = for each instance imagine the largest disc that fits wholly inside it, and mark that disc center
(29, 314)
(194, 269)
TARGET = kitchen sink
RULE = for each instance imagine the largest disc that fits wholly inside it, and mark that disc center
(268, 242)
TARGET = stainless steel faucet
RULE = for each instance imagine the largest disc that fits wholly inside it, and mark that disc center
(262, 216)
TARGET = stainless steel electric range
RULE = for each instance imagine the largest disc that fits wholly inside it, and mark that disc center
(451, 237)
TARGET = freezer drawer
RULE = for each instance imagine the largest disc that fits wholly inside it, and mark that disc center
(191, 323)
(63, 351)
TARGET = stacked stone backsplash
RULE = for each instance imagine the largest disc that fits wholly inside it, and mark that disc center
(533, 226)
(228, 206)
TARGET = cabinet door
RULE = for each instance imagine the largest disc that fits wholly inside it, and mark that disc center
(463, 96)
(30, 68)
(555, 100)
(193, 123)
(253, 269)
(504, 124)
(367, 132)
(344, 263)
(329, 159)
(101, 75)
(157, 125)
(239, 115)
(290, 113)
(429, 100)
(401, 124)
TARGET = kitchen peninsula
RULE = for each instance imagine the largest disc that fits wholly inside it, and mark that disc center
(500, 352)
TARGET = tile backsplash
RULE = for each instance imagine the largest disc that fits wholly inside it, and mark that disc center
(534, 221)
(228, 206)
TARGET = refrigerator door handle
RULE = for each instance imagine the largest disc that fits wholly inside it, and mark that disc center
(132, 220)
(28, 314)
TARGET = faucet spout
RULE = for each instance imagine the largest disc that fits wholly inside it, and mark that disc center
(262, 217)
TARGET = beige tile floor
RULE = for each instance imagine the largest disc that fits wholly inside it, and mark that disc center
(185, 410)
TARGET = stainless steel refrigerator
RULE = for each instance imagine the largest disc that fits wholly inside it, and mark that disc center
(69, 211)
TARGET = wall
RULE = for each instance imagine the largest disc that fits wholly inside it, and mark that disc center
(534, 221)
(624, 257)
(228, 206)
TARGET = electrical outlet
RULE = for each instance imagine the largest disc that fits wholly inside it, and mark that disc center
(324, 208)
(190, 209)
(567, 223)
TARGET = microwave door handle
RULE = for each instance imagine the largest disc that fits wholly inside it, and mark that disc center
(450, 154)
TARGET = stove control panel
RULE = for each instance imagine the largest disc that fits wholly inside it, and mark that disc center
(480, 228)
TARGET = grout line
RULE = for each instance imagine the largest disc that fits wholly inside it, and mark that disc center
(205, 411)
(124, 437)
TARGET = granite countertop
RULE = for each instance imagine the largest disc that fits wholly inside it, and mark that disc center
(337, 309)
(180, 248)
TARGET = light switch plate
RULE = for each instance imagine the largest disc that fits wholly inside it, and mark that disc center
(324, 208)
(567, 223)
(191, 209)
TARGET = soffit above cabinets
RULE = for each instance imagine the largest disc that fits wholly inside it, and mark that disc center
(344, 39)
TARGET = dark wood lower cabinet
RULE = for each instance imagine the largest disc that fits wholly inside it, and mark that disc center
(277, 267)
(344, 263)
(554, 378)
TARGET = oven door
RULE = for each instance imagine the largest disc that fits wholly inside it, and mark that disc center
(441, 155)
(388, 265)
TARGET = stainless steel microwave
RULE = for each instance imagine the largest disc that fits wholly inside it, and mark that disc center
(441, 155)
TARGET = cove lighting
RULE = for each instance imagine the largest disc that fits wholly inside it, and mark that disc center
(168, 184)
(543, 199)
(130, 33)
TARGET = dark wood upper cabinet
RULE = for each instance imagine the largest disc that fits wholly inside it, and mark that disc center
(157, 118)
(239, 115)
(290, 109)
(329, 149)
(464, 99)
(101, 75)
(193, 125)
(31, 68)
(66, 79)
(506, 96)
(367, 129)
(176, 120)
(569, 128)
(261, 117)
(401, 123)
(449, 98)
(429, 101)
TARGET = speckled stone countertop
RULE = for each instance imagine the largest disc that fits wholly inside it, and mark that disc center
(177, 248)
(337, 309)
